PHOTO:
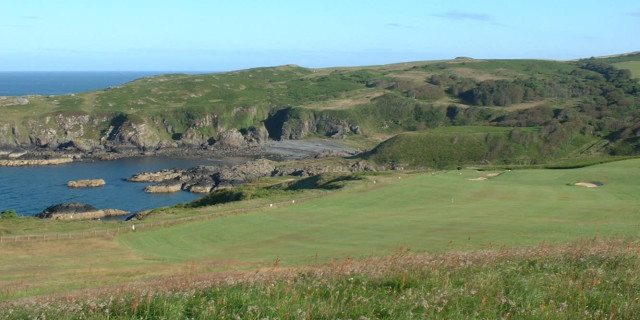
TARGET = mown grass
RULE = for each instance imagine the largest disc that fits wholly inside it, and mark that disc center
(590, 279)
(424, 212)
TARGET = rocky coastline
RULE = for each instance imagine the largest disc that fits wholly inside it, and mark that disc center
(272, 161)
(270, 149)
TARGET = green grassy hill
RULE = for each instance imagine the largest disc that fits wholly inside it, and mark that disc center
(450, 147)
(587, 97)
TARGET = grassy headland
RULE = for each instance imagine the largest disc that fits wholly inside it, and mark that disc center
(570, 102)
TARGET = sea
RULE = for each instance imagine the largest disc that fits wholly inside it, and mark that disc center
(55, 83)
(30, 190)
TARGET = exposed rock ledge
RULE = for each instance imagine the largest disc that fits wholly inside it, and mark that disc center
(166, 174)
(33, 162)
(78, 211)
(164, 188)
(204, 179)
(86, 183)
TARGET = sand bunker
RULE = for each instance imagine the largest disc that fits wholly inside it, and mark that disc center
(589, 184)
(487, 176)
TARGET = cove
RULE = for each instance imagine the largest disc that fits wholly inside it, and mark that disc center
(29, 190)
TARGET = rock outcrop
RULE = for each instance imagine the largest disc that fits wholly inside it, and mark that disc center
(78, 211)
(164, 175)
(316, 169)
(86, 183)
(203, 179)
(33, 162)
(165, 187)
(243, 173)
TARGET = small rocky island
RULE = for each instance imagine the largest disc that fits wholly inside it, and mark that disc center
(86, 183)
(78, 211)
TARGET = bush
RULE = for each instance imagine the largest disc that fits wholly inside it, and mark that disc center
(8, 214)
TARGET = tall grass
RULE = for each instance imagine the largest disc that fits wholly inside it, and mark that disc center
(590, 279)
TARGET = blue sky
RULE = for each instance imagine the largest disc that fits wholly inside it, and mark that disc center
(190, 35)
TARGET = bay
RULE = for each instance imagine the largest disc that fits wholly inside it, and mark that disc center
(29, 190)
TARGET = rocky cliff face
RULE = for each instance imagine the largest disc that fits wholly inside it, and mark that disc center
(291, 124)
(125, 134)
(128, 134)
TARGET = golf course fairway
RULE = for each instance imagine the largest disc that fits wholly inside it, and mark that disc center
(424, 212)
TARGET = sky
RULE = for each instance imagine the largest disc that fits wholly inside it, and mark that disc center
(192, 35)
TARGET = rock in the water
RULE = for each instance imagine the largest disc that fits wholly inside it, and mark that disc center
(86, 183)
(164, 175)
(115, 212)
(78, 211)
(69, 210)
(165, 187)
(202, 185)
(33, 162)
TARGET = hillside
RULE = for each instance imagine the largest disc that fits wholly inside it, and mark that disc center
(588, 98)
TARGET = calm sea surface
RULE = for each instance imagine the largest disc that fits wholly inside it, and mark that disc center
(29, 190)
(52, 83)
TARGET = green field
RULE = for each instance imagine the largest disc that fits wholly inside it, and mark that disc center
(633, 66)
(423, 212)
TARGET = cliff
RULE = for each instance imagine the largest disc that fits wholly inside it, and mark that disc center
(243, 109)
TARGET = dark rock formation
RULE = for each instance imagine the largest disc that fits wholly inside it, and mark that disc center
(203, 179)
(78, 211)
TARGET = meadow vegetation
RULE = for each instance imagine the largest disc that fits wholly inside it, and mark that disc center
(590, 279)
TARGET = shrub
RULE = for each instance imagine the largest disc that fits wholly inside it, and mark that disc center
(8, 214)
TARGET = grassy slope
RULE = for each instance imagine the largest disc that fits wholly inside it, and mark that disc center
(590, 279)
(422, 212)
(243, 98)
(633, 66)
(448, 147)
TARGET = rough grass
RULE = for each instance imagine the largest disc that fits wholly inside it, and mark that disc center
(590, 279)
(448, 147)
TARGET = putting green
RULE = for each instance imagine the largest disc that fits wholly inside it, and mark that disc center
(423, 212)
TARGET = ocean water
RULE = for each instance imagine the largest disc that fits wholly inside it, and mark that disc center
(54, 83)
(30, 190)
